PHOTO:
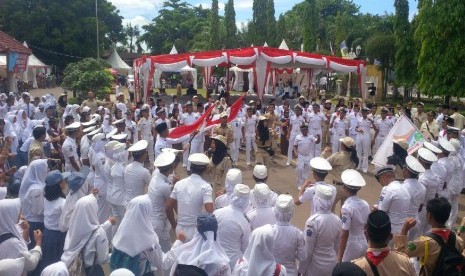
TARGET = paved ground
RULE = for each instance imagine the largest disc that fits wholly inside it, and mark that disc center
(282, 178)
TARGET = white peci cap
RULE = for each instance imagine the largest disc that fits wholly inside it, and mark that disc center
(199, 159)
(427, 155)
(120, 121)
(320, 164)
(382, 169)
(119, 148)
(175, 151)
(110, 145)
(431, 147)
(233, 176)
(445, 145)
(88, 129)
(95, 131)
(121, 136)
(324, 192)
(261, 191)
(89, 123)
(73, 126)
(164, 159)
(260, 171)
(284, 203)
(352, 178)
(139, 146)
(242, 191)
(111, 133)
(98, 137)
(414, 165)
(456, 144)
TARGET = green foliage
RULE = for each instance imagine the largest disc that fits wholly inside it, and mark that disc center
(230, 25)
(405, 60)
(62, 26)
(440, 34)
(86, 75)
(214, 26)
(381, 48)
(131, 41)
(262, 28)
(310, 25)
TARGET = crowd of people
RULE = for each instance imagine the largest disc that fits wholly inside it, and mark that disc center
(82, 186)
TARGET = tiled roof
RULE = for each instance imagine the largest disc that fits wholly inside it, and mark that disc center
(9, 44)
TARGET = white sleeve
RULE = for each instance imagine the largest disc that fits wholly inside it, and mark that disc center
(310, 238)
(32, 258)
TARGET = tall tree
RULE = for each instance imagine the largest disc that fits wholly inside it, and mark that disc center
(310, 27)
(230, 24)
(258, 26)
(404, 66)
(214, 26)
(440, 62)
(271, 35)
(381, 48)
(57, 30)
(132, 34)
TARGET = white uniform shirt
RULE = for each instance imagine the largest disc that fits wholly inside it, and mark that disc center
(364, 125)
(163, 143)
(33, 204)
(296, 122)
(233, 232)
(69, 149)
(145, 126)
(52, 213)
(191, 193)
(315, 121)
(354, 215)
(395, 201)
(84, 149)
(261, 216)
(289, 246)
(310, 192)
(384, 126)
(340, 126)
(188, 119)
(432, 184)
(116, 193)
(159, 192)
(249, 125)
(304, 144)
(456, 181)
(237, 127)
(136, 179)
(417, 195)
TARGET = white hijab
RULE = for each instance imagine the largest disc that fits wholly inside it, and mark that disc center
(136, 219)
(240, 202)
(120, 158)
(74, 112)
(56, 269)
(20, 122)
(122, 272)
(321, 205)
(206, 254)
(9, 214)
(82, 224)
(67, 111)
(35, 175)
(258, 254)
(12, 266)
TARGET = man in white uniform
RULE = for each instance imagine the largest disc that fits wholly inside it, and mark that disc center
(136, 177)
(236, 125)
(354, 215)
(363, 128)
(394, 199)
(163, 141)
(145, 130)
(320, 169)
(416, 191)
(383, 125)
(304, 145)
(187, 119)
(250, 123)
(233, 228)
(340, 129)
(289, 241)
(315, 121)
(456, 181)
(159, 191)
(296, 121)
(190, 195)
(444, 168)
(69, 148)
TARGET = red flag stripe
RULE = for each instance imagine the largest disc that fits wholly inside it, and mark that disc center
(235, 107)
(183, 130)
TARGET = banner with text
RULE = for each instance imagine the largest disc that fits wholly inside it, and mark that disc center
(17, 62)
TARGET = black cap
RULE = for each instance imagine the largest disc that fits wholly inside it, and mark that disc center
(378, 226)
(161, 127)
(205, 223)
(348, 269)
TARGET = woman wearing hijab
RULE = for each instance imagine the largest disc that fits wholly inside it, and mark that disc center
(14, 236)
(258, 257)
(322, 234)
(220, 161)
(75, 110)
(116, 190)
(31, 194)
(86, 241)
(233, 177)
(264, 141)
(56, 269)
(204, 250)
(21, 124)
(54, 239)
(141, 247)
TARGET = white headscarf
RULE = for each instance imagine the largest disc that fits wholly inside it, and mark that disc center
(56, 269)
(122, 272)
(321, 205)
(67, 111)
(20, 122)
(258, 254)
(12, 266)
(240, 202)
(35, 174)
(9, 214)
(74, 112)
(120, 159)
(136, 219)
(82, 224)
(205, 254)
(233, 177)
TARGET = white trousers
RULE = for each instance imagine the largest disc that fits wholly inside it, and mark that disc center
(302, 169)
(188, 231)
(162, 228)
(335, 144)
(454, 201)
(363, 145)
(235, 146)
(104, 208)
(118, 212)
(378, 141)
(316, 151)
(249, 144)
(356, 247)
(290, 148)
